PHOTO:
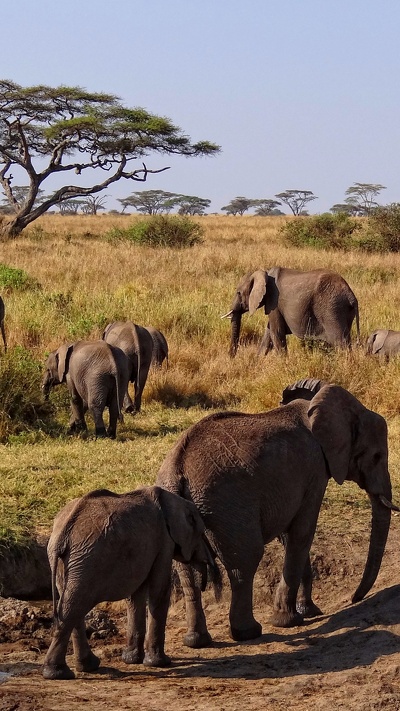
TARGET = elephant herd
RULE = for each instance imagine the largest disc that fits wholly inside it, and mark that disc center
(230, 484)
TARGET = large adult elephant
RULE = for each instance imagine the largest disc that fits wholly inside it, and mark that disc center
(107, 546)
(2, 329)
(97, 377)
(242, 472)
(137, 344)
(317, 303)
(384, 342)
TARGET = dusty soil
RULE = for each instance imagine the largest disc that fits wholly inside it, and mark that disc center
(347, 659)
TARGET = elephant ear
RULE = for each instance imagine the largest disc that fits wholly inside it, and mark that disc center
(334, 415)
(377, 340)
(63, 355)
(183, 521)
(106, 330)
(305, 389)
(258, 290)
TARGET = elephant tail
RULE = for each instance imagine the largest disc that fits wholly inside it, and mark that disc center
(120, 415)
(215, 578)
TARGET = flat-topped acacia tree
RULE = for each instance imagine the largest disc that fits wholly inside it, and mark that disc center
(45, 131)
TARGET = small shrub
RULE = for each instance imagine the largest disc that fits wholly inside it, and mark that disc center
(12, 279)
(160, 231)
(382, 231)
(324, 231)
(22, 405)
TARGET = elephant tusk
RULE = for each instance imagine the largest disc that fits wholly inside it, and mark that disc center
(388, 503)
(228, 315)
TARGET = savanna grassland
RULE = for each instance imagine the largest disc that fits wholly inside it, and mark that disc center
(79, 281)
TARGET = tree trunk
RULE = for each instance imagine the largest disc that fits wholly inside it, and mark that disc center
(9, 229)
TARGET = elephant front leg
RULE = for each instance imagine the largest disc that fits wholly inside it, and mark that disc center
(297, 548)
(266, 342)
(305, 604)
(136, 627)
(197, 635)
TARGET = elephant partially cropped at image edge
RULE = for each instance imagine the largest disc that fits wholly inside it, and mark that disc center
(242, 472)
(384, 342)
(97, 377)
(137, 344)
(107, 547)
(318, 304)
(2, 329)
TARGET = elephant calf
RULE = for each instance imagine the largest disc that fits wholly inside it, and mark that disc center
(106, 547)
(384, 342)
(97, 376)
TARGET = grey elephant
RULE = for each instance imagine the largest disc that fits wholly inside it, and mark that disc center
(2, 329)
(97, 377)
(106, 547)
(317, 303)
(160, 346)
(384, 342)
(137, 344)
(242, 472)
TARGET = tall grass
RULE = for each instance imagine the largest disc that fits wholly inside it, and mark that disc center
(85, 282)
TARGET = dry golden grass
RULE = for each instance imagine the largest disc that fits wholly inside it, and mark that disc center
(86, 282)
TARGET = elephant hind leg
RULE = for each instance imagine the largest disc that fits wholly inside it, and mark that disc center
(85, 659)
(241, 576)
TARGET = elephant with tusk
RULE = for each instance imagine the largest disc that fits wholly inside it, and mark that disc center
(242, 471)
(317, 303)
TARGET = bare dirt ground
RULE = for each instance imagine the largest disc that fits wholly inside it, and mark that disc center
(347, 659)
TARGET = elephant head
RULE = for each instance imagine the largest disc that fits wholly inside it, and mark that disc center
(251, 294)
(56, 367)
(376, 341)
(354, 442)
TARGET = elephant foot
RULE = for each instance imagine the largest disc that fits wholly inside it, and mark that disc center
(308, 609)
(156, 659)
(286, 619)
(76, 427)
(57, 671)
(131, 410)
(132, 656)
(90, 663)
(101, 432)
(240, 635)
(112, 434)
(197, 640)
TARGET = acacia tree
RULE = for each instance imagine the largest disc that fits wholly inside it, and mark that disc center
(296, 200)
(237, 206)
(361, 197)
(192, 205)
(266, 206)
(92, 204)
(46, 131)
(150, 202)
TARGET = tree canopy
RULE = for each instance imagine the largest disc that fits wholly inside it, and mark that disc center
(361, 197)
(46, 131)
(154, 202)
(238, 206)
(296, 200)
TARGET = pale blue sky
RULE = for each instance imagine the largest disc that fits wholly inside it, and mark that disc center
(299, 93)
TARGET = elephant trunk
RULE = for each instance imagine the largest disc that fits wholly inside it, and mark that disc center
(381, 512)
(236, 320)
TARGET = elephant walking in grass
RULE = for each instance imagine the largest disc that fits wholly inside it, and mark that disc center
(137, 344)
(2, 329)
(384, 342)
(106, 547)
(160, 346)
(318, 304)
(97, 377)
(242, 472)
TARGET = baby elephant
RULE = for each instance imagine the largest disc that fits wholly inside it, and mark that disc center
(97, 376)
(107, 546)
(384, 342)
